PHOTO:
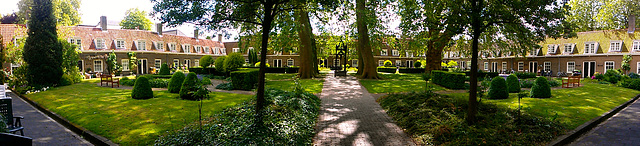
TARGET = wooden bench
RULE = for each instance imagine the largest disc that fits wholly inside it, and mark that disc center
(571, 81)
(109, 79)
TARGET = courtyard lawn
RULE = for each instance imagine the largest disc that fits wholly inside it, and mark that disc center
(573, 106)
(397, 83)
(113, 114)
(285, 82)
(279, 76)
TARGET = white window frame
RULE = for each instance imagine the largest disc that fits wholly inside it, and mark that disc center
(380, 62)
(638, 67)
(160, 46)
(186, 48)
(172, 47)
(551, 48)
(609, 65)
(216, 50)
(395, 53)
(141, 45)
(615, 46)
(176, 63)
(120, 44)
(568, 48)
(636, 45)
(100, 43)
(520, 66)
(409, 53)
(157, 63)
(235, 50)
(198, 48)
(207, 49)
(196, 63)
(76, 41)
(486, 65)
(590, 47)
(398, 62)
(125, 64)
(547, 66)
(410, 63)
(95, 66)
(290, 62)
(504, 66)
(384, 52)
(277, 62)
(223, 51)
(534, 52)
(187, 63)
(571, 66)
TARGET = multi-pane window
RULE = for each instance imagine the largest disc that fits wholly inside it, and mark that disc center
(196, 63)
(520, 66)
(289, 62)
(383, 52)
(608, 65)
(590, 47)
(568, 48)
(486, 65)
(636, 45)
(463, 64)
(206, 50)
(157, 63)
(160, 46)
(125, 64)
(172, 46)
(176, 63)
(398, 62)
(235, 50)
(186, 48)
(216, 50)
(77, 42)
(120, 44)
(223, 51)
(547, 66)
(504, 66)
(187, 63)
(197, 48)
(551, 49)
(278, 62)
(534, 52)
(571, 66)
(97, 65)
(142, 45)
(616, 46)
(100, 43)
(395, 53)
(380, 62)
(409, 53)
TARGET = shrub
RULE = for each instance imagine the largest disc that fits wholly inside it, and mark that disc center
(498, 89)
(159, 83)
(525, 75)
(541, 88)
(126, 81)
(176, 82)
(206, 61)
(142, 90)
(258, 64)
(599, 76)
(612, 76)
(164, 69)
(388, 63)
(66, 80)
(244, 79)
(631, 84)
(634, 75)
(219, 63)
(417, 64)
(225, 86)
(513, 84)
(448, 79)
(190, 87)
(205, 81)
(526, 83)
(233, 62)
(554, 83)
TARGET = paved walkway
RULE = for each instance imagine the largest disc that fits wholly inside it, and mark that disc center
(43, 130)
(350, 116)
(621, 129)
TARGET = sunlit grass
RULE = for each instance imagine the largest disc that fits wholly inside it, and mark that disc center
(573, 106)
(112, 113)
(279, 76)
(309, 85)
(397, 83)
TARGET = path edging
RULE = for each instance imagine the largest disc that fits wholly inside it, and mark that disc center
(586, 127)
(86, 134)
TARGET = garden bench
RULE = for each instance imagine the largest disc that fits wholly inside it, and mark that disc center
(13, 123)
(573, 81)
(109, 79)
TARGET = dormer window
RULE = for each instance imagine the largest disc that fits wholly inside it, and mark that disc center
(395, 53)
(223, 51)
(534, 52)
(616, 46)
(197, 48)
(75, 41)
(409, 53)
(172, 47)
(235, 50)
(383, 52)
(120, 44)
(206, 49)
(551, 49)
(568, 48)
(216, 50)
(186, 48)
(590, 47)
(160, 46)
(636, 45)
(100, 43)
(141, 44)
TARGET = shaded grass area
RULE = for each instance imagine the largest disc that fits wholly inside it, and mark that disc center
(570, 106)
(309, 85)
(397, 83)
(113, 114)
(279, 76)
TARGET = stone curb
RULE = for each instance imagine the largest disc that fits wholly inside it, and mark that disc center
(586, 127)
(86, 134)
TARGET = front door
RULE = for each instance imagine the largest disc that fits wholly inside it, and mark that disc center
(494, 67)
(410, 63)
(142, 66)
(533, 66)
(588, 69)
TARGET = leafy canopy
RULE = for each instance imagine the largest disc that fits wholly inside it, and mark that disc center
(135, 19)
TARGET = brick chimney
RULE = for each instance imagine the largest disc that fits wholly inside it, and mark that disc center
(219, 38)
(631, 24)
(195, 33)
(159, 28)
(103, 23)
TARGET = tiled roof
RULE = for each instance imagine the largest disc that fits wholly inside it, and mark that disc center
(8, 31)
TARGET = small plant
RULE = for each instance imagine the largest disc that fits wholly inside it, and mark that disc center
(541, 88)
(498, 89)
(426, 77)
(142, 90)
(164, 69)
(513, 84)
(176, 82)
(598, 76)
(520, 96)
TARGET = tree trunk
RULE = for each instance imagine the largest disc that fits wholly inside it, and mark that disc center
(369, 68)
(306, 45)
(266, 29)
(473, 80)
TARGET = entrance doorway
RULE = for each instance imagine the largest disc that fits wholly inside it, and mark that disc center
(494, 66)
(533, 66)
(142, 66)
(588, 69)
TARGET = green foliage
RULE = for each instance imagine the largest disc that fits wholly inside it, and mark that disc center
(498, 89)
(136, 19)
(554, 83)
(233, 62)
(625, 63)
(142, 90)
(417, 64)
(3, 124)
(133, 61)
(631, 84)
(612, 76)
(244, 79)
(159, 83)
(65, 11)
(291, 118)
(66, 80)
(633, 75)
(448, 79)
(525, 75)
(205, 81)
(589, 15)
(253, 56)
(541, 88)
(164, 69)
(219, 63)
(526, 83)
(190, 88)
(176, 82)
(258, 64)
(452, 63)
(388, 63)
(127, 82)
(42, 50)
(206, 61)
(112, 63)
(513, 84)
(225, 86)
(70, 58)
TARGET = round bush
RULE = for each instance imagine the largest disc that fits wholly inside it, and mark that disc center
(233, 62)
(635, 84)
(513, 84)
(388, 63)
(206, 81)
(142, 90)
(498, 89)
(176, 82)
(189, 87)
(219, 63)
(66, 80)
(417, 64)
(541, 88)
(206, 61)
(164, 69)
(634, 75)
(612, 76)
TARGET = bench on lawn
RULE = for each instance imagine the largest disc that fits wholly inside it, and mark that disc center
(109, 79)
(573, 81)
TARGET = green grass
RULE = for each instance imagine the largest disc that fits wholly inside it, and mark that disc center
(309, 85)
(113, 114)
(574, 106)
(397, 83)
(279, 76)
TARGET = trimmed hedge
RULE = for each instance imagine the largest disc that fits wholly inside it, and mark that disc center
(498, 89)
(244, 79)
(513, 84)
(142, 90)
(541, 88)
(448, 80)
(278, 69)
(402, 70)
(525, 75)
(176, 82)
(213, 71)
(483, 74)
(164, 69)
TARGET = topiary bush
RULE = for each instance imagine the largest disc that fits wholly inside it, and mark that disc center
(541, 88)
(219, 63)
(176, 82)
(498, 89)
(206, 61)
(189, 87)
(233, 62)
(65, 80)
(448, 80)
(513, 84)
(417, 64)
(142, 90)
(388, 63)
(612, 76)
(164, 69)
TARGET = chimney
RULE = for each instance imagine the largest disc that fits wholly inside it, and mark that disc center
(219, 38)
(632, 24)
(159, 28)
(103, 23)
(195, 34)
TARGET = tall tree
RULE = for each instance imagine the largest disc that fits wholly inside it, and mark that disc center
(365, 53)
(65, 11)
(9, 19)
(589, 15)
(42, 51)
(308, 64)
(136, 19)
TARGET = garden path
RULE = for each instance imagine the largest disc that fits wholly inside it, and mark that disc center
(351, 116)
(621, 129)
(40, 127)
